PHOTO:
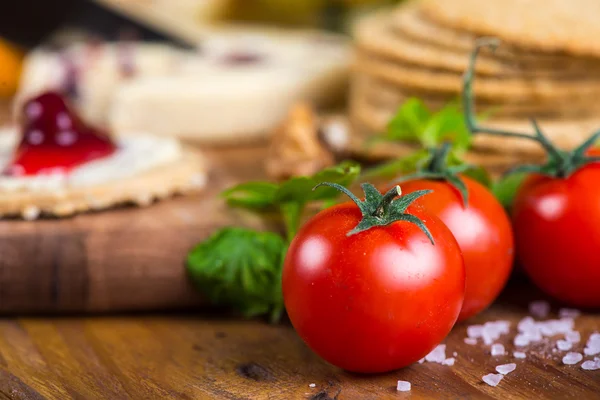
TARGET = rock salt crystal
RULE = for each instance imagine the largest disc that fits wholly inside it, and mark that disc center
(312, 385)
(403, 386)
(572, 358)
(519, 354)
(455, 354)
(497, 349)
(590, 365)
(470, 341)
(564, 345)
(525, 324)
(475, 331)
(539, 309)
(521, 340)
(573, 337)
(449, 361)
(592, 346)
(568, 313)
(492, 379)
(438, 355)
(506, 368)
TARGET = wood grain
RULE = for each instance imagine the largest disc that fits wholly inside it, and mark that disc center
(210, 356)
(124, 259)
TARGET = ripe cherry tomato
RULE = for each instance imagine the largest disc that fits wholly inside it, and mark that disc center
(483, 232)
(557, 232)
(377, 300)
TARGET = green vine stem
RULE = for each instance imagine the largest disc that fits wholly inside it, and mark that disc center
(382, 210)
(438, 169)
(559, 164)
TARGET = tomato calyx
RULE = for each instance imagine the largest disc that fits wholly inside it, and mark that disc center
(383, 209)
(439, 168)
(560, 163)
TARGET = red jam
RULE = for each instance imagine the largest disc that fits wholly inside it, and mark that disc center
(55, 140)
(242, 58)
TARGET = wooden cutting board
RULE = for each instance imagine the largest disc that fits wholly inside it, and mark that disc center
(117, 260)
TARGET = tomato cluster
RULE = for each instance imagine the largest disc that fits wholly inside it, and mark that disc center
(375, 285)
(384, 297)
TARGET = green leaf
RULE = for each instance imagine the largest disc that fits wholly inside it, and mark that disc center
(448, 125)
(299, 189)
(413, 122)
(251, 195)
(240, 268)
(506, 188)
(409, 121)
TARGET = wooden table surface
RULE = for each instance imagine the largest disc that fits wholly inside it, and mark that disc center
(209, 355)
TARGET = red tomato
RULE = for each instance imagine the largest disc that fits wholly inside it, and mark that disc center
(375, 301)
(557, 232)
(483, 232)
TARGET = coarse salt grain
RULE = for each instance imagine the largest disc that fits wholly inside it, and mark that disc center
(572, 358)
(455, 354)
(590, 365)
(497, 349)
(591, 350)
(403, 386)
(470, 341)
(506, 368)
(564, 345)
(519, 354)
(573, 337)
(312, 385)
(422, 360)
(475, 331)
(449, 361)
(521, 340)
(437, 355)
(539, 309)
(592, 346)
(492, 379)
(568, 313)
(525, 323)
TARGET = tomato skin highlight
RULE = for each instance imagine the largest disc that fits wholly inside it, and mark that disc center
(375, 301)
(557, 231)
(483, 232)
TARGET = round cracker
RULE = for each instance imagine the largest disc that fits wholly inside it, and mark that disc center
(390, 97)
(363, 80)
(410, 21)
(182, 176)
(374, 34)
(493, 89)
(544, 25)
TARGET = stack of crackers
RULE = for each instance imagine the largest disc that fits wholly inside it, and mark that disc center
(546, 67)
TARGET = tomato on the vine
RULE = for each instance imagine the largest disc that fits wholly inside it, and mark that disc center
(365, 287)
(557, 231)
(483, 231)
(556, 211)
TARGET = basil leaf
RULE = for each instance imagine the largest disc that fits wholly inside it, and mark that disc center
(415, 123)
(299, 189)
(252, 195)
(240, 268)
(506, 188)
(409, 121)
